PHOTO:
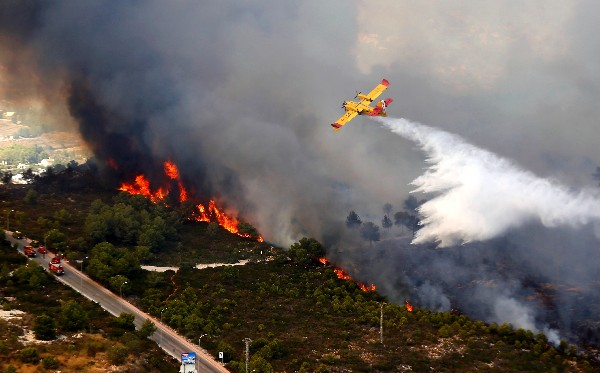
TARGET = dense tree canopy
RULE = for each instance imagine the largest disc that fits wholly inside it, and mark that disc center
(132, 220)
(108, 261)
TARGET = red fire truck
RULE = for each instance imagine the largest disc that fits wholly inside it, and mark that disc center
(42, 249)
(57, 268)
(29, 251)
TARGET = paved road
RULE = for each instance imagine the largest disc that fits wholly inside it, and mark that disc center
(165, 337)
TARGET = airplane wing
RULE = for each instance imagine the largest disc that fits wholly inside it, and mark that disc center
(343, 120)
(366, 100)
(363, 106)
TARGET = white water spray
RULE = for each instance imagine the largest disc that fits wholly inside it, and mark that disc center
(476, 195)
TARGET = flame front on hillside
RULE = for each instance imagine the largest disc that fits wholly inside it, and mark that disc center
(343, 275)
(141, 186)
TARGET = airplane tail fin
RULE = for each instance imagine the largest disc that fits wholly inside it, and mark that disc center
(381, 107)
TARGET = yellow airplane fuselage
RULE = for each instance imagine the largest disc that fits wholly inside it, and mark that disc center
(360, 108)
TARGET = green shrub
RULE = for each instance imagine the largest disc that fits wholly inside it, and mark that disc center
(147, 329)
(44, 328)
(73, 317)
(93, 347)
(3, 348)
(259, 364)
(31, 197)
(50, 362)
(117, 354)
(227, 350)
(329, 359)
(29, 355)
(445, 331)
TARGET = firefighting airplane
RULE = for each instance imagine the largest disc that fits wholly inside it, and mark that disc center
(362, 107)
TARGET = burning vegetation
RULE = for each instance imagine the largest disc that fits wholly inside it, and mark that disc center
(343, 275)
(141, 186)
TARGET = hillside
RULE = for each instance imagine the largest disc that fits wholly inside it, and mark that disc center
(300, 316)
(46, 326)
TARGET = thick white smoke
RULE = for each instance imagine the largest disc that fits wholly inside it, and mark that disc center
(475, 195)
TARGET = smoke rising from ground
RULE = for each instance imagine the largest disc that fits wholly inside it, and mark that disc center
(476, 195)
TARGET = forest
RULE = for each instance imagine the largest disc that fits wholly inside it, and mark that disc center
(300, 314)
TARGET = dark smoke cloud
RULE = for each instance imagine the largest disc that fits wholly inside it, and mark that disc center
(235, 94)
(240, 95)
(227, 92)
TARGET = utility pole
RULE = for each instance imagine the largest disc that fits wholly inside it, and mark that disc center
(81, 270)
(162, 330)
(199, 344)
(247, 341)
(121, 291)
(381, 322)
(8, 219)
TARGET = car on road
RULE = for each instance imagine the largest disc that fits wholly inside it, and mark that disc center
(18, 235)
(42, 249)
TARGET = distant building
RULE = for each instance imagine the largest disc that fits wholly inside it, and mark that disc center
(18, 179)
(47, 162)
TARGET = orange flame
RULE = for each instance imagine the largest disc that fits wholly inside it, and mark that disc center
(171, 170)
(343, 275)
(366, 288)
(214, 213)
(203, 215)
(183, 195)
(409, 307)
(141, 186)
